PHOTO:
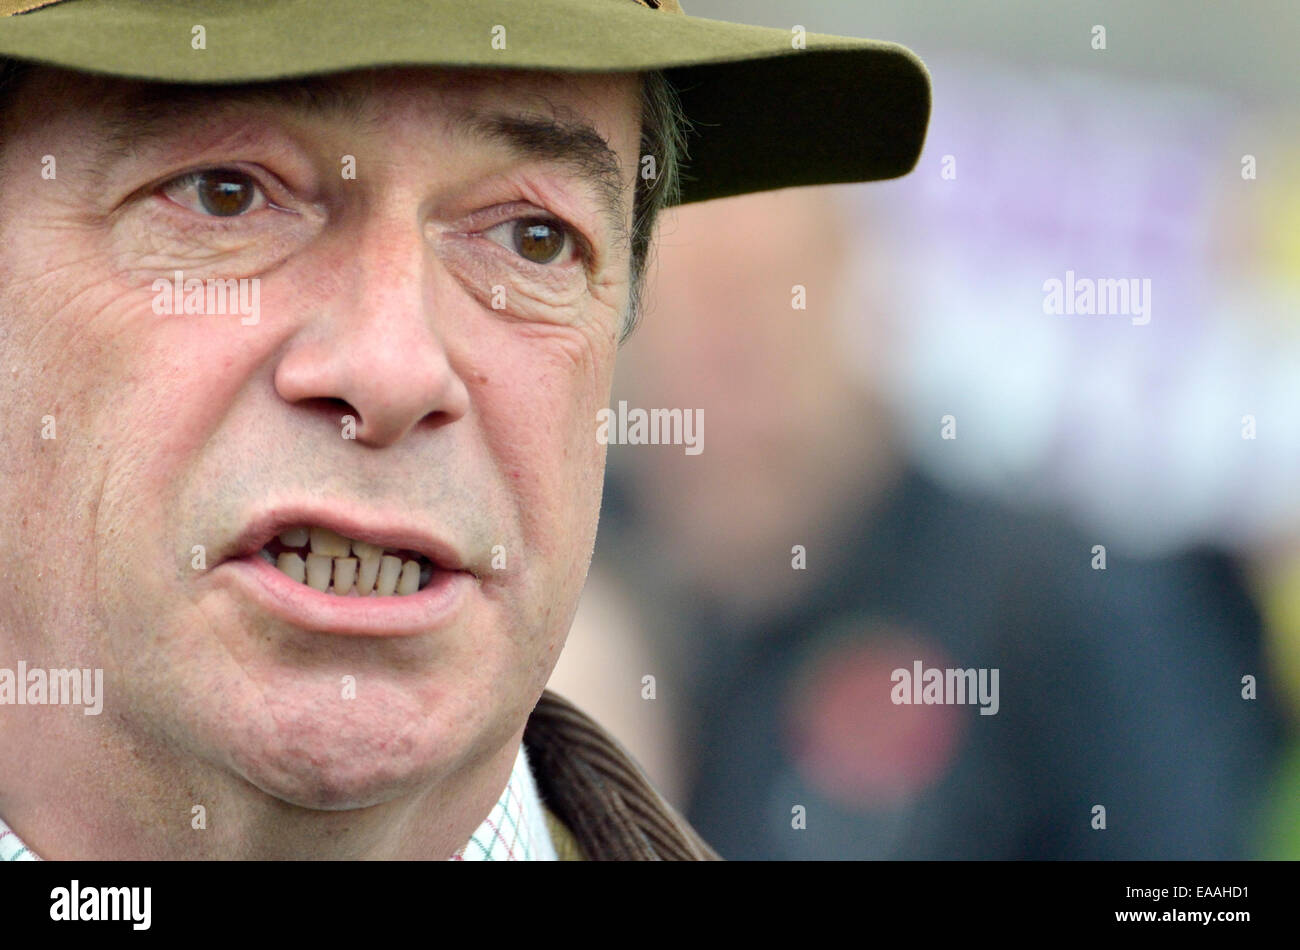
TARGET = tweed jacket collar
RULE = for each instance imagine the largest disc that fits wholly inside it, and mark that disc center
(599, 794)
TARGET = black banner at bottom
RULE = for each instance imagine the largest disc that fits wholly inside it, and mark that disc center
(1223, 901)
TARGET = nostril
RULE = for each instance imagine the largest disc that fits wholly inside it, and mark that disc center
(333, 409)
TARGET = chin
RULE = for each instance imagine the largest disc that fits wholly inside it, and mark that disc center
(356, 757)
(342, 788)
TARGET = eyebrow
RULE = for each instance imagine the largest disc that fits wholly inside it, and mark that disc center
(562, 139)
(568, 142)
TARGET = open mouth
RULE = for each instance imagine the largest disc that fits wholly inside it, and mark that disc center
(331, 563)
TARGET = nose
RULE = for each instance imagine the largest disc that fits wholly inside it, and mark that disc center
(376, 346)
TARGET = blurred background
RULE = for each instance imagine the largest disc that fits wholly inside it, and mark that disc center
(1165, 686)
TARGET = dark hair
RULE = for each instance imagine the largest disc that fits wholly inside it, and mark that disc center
(663, 137)
(11, 72)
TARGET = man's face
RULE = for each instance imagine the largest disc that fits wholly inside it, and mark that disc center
(406, 278)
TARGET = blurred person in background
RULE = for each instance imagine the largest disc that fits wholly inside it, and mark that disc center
(801, 558)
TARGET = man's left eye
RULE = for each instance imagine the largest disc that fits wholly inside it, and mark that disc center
(217, 192)
(538, 240)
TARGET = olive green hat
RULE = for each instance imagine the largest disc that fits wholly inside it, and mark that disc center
(769, 108)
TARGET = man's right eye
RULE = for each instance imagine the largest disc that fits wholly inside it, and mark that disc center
(217, 192)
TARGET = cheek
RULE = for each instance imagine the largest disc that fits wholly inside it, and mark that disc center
(64, 343)
(71, 349)
(537, 392)
(131, 397)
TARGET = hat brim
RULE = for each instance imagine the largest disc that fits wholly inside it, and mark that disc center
(765, 115)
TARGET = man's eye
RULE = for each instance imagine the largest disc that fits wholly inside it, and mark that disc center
(219, 192)
(538, 240)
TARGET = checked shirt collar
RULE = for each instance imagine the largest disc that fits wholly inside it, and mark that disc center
(515, 830)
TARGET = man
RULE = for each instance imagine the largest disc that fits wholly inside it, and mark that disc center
(306, 322)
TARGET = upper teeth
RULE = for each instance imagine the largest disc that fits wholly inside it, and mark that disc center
(323, 541)
(355, 567)
(294, 537)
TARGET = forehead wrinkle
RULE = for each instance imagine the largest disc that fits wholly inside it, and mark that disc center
(149, 113)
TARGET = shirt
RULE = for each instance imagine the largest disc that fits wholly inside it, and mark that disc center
(515, 829)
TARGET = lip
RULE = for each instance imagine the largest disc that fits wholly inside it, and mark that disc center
(425, 611)
(373, 530)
